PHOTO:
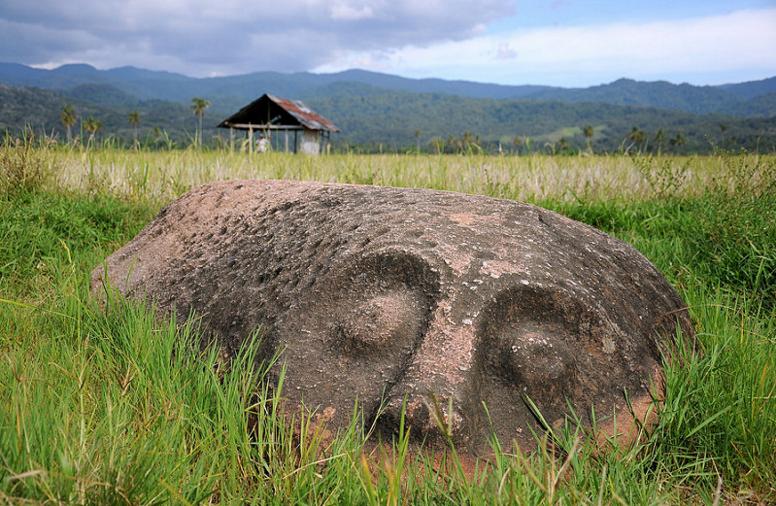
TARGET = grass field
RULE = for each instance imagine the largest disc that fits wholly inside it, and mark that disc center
(111, 405)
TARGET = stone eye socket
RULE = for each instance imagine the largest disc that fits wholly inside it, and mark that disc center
(528, 342)
(383, 321)
(383, 306)
(532, 355)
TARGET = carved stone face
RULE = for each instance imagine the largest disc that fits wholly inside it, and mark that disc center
(384, 296)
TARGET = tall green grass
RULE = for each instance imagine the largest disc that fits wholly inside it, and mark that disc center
(110, 404)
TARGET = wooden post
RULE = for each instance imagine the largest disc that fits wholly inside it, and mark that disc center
(231, 140)
(286, 148)
(250, 140)
(296, 141)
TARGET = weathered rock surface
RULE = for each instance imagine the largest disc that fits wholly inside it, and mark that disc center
(382, 294)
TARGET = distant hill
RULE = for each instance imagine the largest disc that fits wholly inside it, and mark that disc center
(751, 89)
(101, 94)
(231, 92)
(676, 97)
(370, 115)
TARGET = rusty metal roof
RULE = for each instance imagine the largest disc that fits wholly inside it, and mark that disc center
(306, 117)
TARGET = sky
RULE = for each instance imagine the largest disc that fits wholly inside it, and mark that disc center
(553, 42)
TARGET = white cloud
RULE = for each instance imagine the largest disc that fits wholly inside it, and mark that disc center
(202, 37)
(505, 52)
(345, 12)
(717, 45)
(409, 37)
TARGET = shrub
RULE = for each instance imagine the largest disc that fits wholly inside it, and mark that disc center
(23, 166)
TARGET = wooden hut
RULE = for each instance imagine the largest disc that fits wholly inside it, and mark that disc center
(303, 130)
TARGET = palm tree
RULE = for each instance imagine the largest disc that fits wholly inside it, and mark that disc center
(660, 137)
(588, 131)
(637, 137)
(470, 143)
(198, 105)
(68, 120)
(517, 142)
(678, 140)
(92, 126)
(134, 121)
(563, 146)
(439, 144)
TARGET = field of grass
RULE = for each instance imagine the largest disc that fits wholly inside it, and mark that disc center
(112, 405)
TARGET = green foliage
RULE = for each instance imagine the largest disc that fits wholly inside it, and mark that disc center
(378, 120)
(719, 411)
(40, 111)
(68, 118)
(198, 106)
(727, 235)
(735, 241)
(40, 229)
(127, 411)
(370, 118)
(729, 243)
(665, 176)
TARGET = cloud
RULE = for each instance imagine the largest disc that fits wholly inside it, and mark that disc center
(708, 48)
(346, 12)
(202, 37)
(505, 52)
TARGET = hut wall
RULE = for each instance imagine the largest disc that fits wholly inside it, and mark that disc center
(311, 142)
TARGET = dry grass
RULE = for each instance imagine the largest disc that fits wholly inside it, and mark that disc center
(167, 174)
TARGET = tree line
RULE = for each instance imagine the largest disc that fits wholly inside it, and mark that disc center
(399, 123)
(69, 117)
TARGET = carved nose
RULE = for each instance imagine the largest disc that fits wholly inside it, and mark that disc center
(427, 418)
(436, 392)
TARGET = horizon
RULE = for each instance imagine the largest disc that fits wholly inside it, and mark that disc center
(565, 43)
(355, 69)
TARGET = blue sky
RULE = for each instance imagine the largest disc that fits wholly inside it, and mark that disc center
(577, 12)
(556, 42)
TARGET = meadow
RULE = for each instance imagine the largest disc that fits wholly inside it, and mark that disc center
(110, 404)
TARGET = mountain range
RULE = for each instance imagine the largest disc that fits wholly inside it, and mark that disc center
(385, 110)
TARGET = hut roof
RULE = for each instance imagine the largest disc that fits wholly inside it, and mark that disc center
(270, 111)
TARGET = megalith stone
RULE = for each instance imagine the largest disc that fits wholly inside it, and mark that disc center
(444, 301)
